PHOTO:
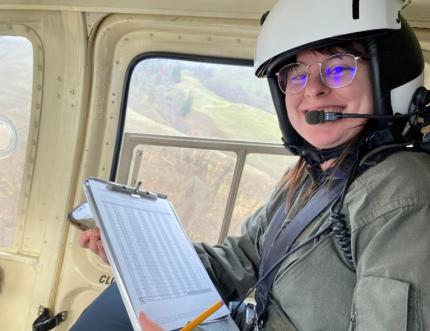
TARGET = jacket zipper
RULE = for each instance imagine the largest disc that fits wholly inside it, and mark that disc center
(353, 325)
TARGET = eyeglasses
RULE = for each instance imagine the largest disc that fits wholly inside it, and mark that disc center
(336, 71)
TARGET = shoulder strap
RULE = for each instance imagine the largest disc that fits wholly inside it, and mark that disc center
(277, 244)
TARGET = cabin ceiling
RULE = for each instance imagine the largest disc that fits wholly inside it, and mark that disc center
(246, 9)
(418, 12)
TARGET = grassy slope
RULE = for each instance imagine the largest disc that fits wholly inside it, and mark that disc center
(237, 120)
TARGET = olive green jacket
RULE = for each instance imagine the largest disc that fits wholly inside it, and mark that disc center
(388, 211)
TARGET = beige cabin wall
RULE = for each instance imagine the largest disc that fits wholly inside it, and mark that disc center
(30, 267)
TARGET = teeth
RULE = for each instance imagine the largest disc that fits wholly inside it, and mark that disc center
(329, 109)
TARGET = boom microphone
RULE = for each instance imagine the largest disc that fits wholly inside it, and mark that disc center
(320, 116)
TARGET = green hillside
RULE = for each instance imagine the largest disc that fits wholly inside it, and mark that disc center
(236, 120)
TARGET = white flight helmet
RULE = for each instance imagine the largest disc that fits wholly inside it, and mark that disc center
(396, 59)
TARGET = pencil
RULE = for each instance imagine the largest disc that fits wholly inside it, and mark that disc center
(204, 315)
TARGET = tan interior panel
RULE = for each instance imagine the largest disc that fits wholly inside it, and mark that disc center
(17, 280)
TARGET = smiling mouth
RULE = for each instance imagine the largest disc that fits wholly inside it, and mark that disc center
(328, 109)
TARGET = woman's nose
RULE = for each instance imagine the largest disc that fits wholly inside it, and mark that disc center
(315, 86)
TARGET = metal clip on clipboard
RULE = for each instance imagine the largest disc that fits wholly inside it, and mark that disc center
(135, 191)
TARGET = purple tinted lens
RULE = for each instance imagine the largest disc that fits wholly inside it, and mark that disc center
(292, 78)
(339, 71)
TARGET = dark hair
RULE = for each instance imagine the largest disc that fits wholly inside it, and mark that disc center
(352, 47)
(355, 47)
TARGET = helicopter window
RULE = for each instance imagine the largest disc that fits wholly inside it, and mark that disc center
(198, 99)
(16, 79)
(191, 130)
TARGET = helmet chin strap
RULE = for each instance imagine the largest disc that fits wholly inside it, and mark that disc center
(314, 157)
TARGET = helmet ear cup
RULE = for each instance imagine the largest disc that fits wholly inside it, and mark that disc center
(396, 60)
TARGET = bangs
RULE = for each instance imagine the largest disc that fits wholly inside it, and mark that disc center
(351, 47)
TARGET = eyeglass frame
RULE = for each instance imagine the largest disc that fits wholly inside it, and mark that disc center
(355, 57)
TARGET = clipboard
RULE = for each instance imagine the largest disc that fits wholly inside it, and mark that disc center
(154, 262)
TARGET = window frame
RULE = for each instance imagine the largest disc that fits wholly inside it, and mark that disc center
(129, 73)
(126, 142)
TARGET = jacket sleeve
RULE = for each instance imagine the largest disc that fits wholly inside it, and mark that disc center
(391, 244)
(233, 265)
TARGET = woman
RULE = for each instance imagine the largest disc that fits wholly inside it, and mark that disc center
(343, 242)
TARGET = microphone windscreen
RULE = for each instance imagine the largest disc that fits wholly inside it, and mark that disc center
(314, 117)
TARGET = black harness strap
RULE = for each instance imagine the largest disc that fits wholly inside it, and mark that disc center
(279, 240)
(45, 321)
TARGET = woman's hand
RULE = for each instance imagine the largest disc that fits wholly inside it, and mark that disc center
(147, 324)
(91, 239)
